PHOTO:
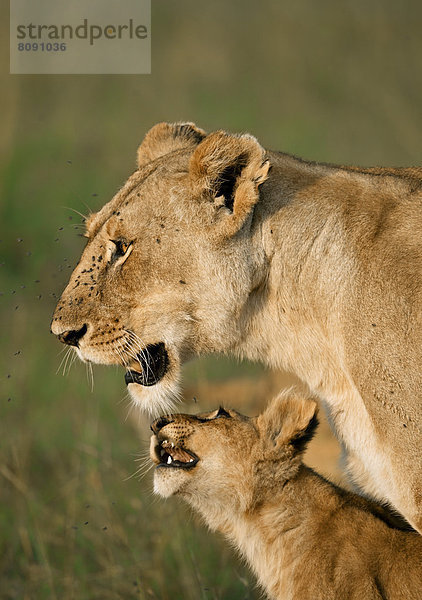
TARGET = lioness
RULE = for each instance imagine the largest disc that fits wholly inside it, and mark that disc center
(305, 538)
(215, 245)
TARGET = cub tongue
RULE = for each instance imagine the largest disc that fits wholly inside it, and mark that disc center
(180, 455)
(176, 453)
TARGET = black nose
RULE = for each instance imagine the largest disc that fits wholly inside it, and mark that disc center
(72, 337)
(160, 423)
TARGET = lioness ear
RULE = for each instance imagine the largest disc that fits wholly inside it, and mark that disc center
(167, 137)
(289, 420)
(230, 168)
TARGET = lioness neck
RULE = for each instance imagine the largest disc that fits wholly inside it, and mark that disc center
(308, 263)
(315, 225)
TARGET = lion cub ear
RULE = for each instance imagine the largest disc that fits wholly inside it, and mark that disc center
(167, 137)
(229, 168)
(290, 420)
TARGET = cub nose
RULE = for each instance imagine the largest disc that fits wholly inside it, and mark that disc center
(73, 336)
(160, 423)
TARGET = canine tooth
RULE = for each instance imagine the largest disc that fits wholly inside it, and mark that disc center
(169, 460)
(191, 460)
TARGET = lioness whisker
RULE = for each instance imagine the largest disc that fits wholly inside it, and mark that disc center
(70, 359)
(128, 350)
(90, 375)
(128, 347)
(119, 351)
(136, 349)
(63, 360)
(136, 337)
(73, 358)
(84, 217)
(134, 342)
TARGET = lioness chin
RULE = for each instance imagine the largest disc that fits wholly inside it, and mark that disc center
(216, 245)
(305, 538)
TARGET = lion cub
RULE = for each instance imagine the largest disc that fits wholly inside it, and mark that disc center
(304, 537)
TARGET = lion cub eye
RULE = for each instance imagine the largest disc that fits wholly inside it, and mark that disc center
(122, 249)
(222, 413)
(215, 414)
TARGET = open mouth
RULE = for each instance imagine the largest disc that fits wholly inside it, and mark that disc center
(169, 455)
(154, 363)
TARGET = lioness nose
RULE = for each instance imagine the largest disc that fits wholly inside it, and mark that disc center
(160, 423)
(73, 336)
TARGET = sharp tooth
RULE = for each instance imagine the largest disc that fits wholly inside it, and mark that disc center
(172, 445)
(169, 460)
(191, 460)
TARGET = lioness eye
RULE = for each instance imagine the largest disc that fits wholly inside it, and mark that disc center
(121, 248)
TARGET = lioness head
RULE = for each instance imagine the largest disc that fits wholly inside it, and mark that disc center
(155, 283)
(226, 460)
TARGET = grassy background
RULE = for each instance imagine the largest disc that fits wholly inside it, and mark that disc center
(330, 81)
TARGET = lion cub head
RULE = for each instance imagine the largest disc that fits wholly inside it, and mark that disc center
(223, 460)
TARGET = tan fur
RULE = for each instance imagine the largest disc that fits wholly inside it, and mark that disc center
(305, 538)
(308, 267)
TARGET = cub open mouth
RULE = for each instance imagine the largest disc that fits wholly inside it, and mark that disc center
(154, 363)
(172, 456)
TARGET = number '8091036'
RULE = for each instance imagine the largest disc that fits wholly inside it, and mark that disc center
(42, 47)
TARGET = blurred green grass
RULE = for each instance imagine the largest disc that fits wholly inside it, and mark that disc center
(329, 81)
